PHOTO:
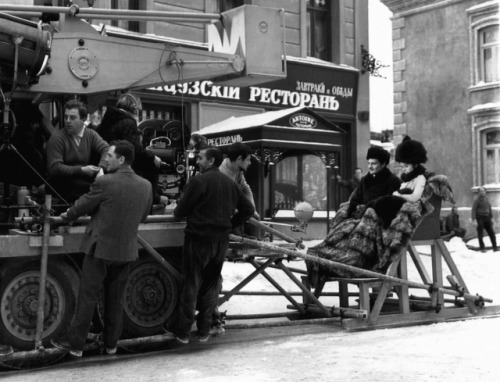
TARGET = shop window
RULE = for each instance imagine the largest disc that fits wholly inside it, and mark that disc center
(226, 5)
(133, 26)
(318, 29)
(300, 178)
(159, 111)
(488, 54)
(491, 156)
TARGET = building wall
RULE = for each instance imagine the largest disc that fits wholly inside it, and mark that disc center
(432, 91)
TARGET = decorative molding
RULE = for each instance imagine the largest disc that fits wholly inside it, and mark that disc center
(402, 8)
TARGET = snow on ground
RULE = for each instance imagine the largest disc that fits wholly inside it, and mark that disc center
(461, 351)
(479, 271)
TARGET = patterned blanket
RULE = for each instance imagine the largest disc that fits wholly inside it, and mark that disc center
(365, 241)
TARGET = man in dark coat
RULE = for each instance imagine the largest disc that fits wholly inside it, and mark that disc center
(379, 181)
(119, 123)
(117, 202)
(483, 215)
(209, 203)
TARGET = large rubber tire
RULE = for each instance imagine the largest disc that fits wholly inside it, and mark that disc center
(19, 299)
(150, 298)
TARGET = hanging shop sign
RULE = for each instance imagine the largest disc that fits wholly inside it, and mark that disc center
(316, 87)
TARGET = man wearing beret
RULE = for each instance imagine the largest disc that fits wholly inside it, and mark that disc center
(379, 181)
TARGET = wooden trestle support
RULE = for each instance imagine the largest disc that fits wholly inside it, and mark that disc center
(376, 308)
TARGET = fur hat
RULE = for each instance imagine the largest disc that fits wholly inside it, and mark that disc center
(376, 152)
(411, 151)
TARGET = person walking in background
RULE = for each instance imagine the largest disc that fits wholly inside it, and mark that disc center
(208, 203)
(353, 183)
(117, 203)
(483, 215)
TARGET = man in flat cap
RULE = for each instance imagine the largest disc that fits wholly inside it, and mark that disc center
(379, 181)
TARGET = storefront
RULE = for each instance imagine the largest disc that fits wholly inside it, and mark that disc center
(312, 131)
(294, 150)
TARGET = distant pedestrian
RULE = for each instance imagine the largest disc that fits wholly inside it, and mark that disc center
(483, 214)
(353, 183)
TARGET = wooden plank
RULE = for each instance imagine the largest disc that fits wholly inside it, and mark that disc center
(382, 294)
(437, 275)
(302, 287)
(455, 272)
(402, 290)
(419, 264)
(244, 282)
(281, 289)
(344, 294)
(419, 318)
(54, 241)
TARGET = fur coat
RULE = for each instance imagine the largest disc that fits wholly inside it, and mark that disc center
(361, 240)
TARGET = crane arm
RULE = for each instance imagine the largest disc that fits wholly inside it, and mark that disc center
(76, 58)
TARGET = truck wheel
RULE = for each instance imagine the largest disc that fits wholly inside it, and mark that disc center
(19, 299)
(150, 298)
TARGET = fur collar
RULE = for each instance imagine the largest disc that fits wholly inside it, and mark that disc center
(419, 170)
(380, 177)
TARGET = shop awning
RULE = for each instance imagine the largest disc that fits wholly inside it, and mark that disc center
(296, 128)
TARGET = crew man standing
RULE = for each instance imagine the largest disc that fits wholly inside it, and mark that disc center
(209, 203)
(117, 202)
(237, 162)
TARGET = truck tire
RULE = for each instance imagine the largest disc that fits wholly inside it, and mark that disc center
(19, 288)
(150, 298)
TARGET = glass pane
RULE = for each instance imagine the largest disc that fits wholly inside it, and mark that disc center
(314, 182)
(226, 5)
(489, 167)
(317, 4)
(320, 35)
(286, 192)
(493, 137)
(490, 34)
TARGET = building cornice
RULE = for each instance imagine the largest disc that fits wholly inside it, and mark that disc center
(402, 8)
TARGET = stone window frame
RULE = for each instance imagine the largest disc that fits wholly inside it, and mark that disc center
(483, 122)
(479, 20)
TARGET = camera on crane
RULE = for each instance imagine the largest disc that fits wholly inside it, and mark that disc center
(167, 140)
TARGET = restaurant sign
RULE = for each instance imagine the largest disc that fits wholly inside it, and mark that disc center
(316, 87)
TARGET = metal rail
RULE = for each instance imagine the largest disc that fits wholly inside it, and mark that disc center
(110, 14)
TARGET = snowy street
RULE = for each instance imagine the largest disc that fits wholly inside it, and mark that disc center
(455, 351)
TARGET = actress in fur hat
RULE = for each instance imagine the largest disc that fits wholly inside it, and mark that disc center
(382, 224)
(411, 154)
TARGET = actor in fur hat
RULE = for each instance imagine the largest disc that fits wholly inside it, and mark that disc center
(411, 154)
(379, 181)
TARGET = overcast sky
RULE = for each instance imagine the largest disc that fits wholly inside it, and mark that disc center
(381, 89)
